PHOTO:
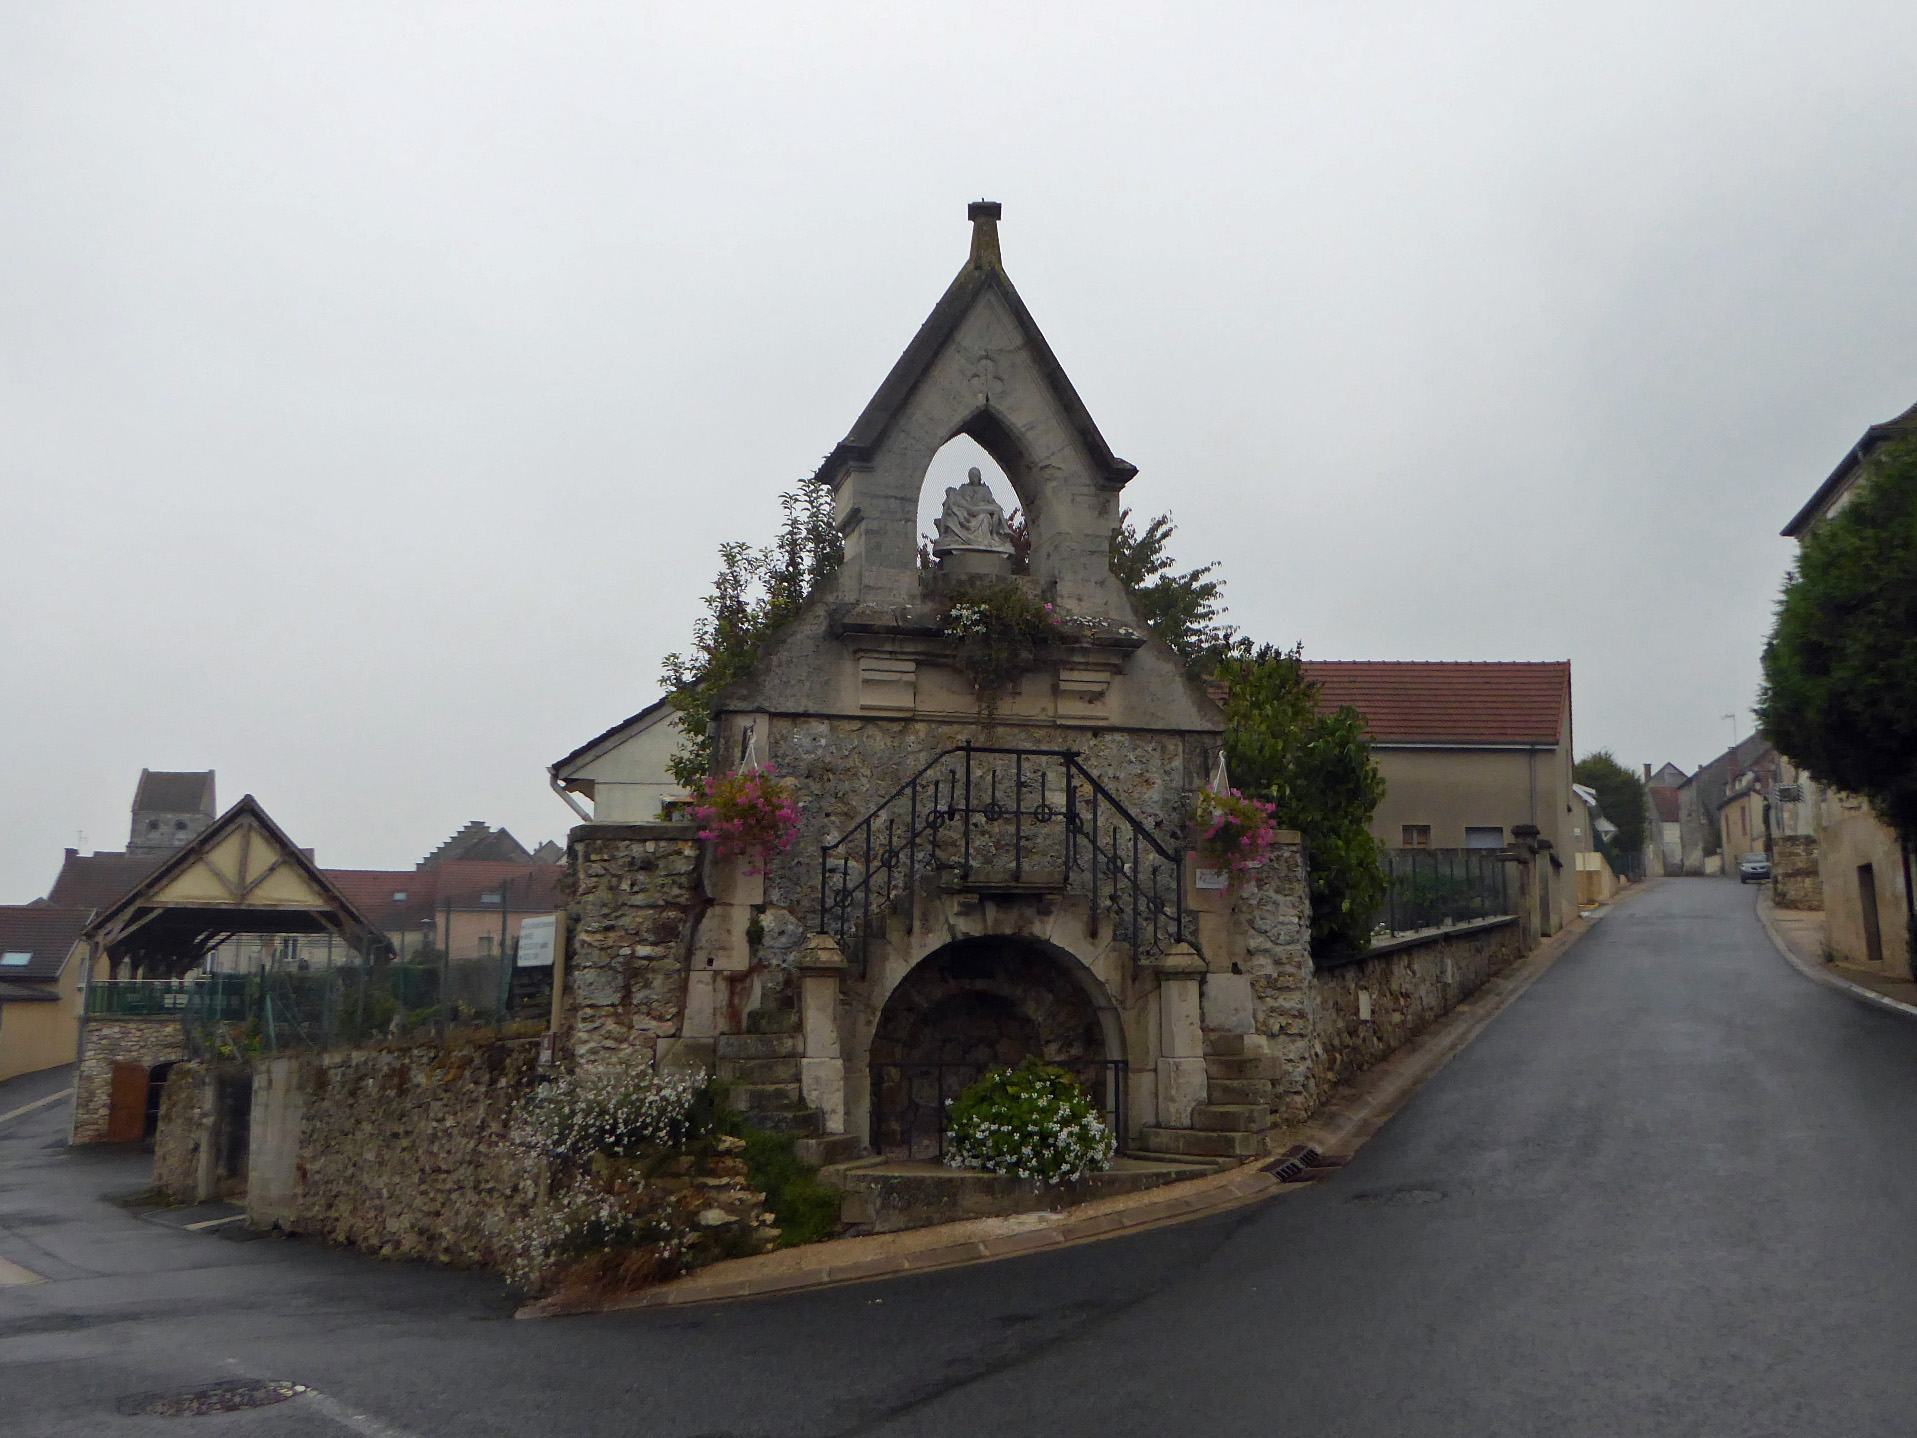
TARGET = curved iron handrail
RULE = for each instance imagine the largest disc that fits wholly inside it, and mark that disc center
(1126, 870)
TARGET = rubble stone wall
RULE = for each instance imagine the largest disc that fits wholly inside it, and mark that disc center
(106, 1042)
(1269, 936)
(183, 1129)
(1796, 882)
(1406, 988)
(635, 897)
(403, 1152)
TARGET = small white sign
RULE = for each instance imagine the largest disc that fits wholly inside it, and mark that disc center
(1214, 878)
(535, 942)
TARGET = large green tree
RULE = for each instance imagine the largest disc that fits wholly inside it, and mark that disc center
(1317, 769)
(1840, 671)
(1185, 610)
(1620, 795)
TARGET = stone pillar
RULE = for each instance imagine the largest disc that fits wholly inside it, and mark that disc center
(822, 1069)
(1524, 843)
(1181, 1035)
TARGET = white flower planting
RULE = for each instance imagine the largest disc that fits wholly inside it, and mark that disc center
(619, 1114)
(1031, 1122)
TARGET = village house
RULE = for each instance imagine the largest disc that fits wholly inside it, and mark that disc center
(1864, 873)
(624, 773)
(1473, 755)
(42, 963)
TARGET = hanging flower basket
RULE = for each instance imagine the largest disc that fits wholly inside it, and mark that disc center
(1233, 833)
(749, 814)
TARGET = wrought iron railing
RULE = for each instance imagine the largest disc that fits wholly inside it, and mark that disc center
(1433, 888)
(1006, 821)
(909, 1100)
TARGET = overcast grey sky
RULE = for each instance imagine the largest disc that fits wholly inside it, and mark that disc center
(377, 380)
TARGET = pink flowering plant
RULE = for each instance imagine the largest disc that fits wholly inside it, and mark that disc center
(1232, 831)
(750, 814)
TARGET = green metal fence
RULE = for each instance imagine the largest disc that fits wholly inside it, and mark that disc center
(275, 1010)
(1434, 888)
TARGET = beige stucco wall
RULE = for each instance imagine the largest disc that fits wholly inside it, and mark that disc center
(35, 1036)
(1740, 828)
(1849, 836)
(1452, 789)
(631, 780)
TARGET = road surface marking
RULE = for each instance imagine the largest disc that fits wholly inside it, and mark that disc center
(214, 1222)
(37, 1103)
(12, 1273)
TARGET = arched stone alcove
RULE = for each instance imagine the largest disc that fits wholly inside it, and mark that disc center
(971, 1005)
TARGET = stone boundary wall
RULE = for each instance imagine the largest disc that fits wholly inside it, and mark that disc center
(106, 1042)
(635, 898)
(1409, 987)
(403, 1152)
(183, 1131)
(1796, 882)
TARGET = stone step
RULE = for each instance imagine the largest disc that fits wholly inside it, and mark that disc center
(1236, 1046)
(1225, 1068)
(1202, 1144)
(758, 1046)
(772, 1021)
(831, 1148)
(801, 1123)
(1232, 1117)
(1254, 1091)
(738, 1071)
(763, 1098)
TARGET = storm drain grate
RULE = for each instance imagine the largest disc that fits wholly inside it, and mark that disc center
(228, 1397)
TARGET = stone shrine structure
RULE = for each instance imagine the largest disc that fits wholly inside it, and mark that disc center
(977, 877)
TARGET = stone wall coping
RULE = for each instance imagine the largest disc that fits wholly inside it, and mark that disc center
(580, 833)
(1424, 936)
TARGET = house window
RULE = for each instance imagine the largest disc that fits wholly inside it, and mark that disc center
(1417, 836)
(485, 946)
(1483, 836)
(399, 896)
(16, 961)
(489, 898)
(179, 826)
(153, 826)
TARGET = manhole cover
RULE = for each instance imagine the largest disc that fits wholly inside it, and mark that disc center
(1402, 1196)
(228, 1397)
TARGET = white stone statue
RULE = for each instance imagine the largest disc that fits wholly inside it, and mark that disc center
(971, 523)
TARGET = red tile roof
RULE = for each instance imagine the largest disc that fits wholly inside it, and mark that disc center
(1664, 800)
(529, 888)
(1417, 702)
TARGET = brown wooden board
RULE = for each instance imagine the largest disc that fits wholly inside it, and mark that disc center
(126, 1104)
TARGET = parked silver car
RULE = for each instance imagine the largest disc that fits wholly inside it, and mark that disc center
(1753, 868)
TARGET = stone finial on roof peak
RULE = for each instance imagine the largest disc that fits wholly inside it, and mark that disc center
(984, 215)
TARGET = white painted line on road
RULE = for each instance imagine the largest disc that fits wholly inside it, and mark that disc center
(37, 1103)
(214, 1222)
(1823, 976)
(12, 1274)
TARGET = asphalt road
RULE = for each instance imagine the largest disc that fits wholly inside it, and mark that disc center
(1669, 1191)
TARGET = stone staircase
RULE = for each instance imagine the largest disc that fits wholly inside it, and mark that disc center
(760, 1069)
(1236, 1120)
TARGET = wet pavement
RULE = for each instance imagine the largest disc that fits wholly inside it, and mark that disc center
(1669, 1191)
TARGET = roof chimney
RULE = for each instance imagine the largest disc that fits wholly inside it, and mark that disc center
(984, 217)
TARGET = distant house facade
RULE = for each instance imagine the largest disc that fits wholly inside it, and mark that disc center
(1864, 872)
(1664, 840)
(625, 772)
(1471, 753)
(42, 967)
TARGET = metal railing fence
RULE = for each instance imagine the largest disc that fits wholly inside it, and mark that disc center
(235, 1015)
(1435, 888)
